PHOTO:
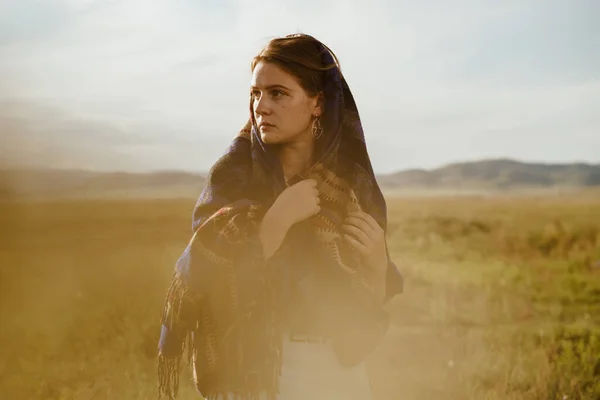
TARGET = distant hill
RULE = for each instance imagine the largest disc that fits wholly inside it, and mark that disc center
(501, 174)
(496, 174)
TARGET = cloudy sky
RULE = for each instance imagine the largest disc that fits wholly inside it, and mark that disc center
(163, 84)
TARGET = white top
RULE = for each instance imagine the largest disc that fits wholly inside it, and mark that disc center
(312, 371)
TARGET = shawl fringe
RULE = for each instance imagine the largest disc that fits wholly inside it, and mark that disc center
(168, 376)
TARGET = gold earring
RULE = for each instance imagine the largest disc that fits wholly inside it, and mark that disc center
(317, 129)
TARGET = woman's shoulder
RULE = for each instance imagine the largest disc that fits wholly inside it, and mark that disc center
(234, 164)
(240, 146)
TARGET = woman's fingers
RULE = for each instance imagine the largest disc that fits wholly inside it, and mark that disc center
(365, 235)
(359, 235)
(367, 218)
(361, 224)
(357, 245)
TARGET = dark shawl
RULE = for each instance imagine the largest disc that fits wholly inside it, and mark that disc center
(226, 300)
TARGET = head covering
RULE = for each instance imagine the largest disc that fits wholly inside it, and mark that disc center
(224, 295)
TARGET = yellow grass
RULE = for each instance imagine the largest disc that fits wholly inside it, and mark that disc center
(502, 297)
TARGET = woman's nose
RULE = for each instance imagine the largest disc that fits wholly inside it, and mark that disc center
(261, 106)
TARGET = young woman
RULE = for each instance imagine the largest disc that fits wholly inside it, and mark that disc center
(279, 293)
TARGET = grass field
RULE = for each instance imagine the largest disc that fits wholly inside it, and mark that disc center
(502, 298)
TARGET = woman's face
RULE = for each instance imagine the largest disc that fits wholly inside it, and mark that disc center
(282, 109)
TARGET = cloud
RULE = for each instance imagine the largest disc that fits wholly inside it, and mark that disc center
(435, 81)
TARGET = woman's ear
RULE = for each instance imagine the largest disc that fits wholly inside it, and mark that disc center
(319, 102)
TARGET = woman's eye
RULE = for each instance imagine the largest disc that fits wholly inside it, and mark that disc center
(274, 94)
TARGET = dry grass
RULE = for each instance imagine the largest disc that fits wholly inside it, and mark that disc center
(502, 298)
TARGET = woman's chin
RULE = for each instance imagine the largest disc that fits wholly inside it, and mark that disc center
(269, 138)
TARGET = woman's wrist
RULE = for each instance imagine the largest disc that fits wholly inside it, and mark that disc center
(272, 231)
(277, 219)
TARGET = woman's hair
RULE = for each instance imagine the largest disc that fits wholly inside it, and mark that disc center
(300, 55)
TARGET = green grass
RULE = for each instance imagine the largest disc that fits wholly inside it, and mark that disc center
(502, 298)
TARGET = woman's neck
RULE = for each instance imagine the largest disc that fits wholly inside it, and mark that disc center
(296, 157)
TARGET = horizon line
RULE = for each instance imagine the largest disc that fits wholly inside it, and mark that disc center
(13, 168)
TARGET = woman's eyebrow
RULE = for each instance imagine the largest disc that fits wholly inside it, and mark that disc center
(271, 87)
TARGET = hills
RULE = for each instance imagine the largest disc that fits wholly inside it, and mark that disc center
(485, 175)
(496, 174)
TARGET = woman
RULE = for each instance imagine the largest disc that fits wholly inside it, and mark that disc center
(279, 293)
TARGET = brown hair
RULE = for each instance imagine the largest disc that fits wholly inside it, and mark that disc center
(300, 55)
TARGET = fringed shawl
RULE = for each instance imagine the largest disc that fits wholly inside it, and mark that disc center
(225, 299)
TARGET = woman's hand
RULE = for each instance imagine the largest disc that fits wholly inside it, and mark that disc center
(298, 202)
(365, 235)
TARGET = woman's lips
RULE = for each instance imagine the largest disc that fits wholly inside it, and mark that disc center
(265, 126)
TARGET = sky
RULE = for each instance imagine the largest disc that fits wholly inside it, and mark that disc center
(157, 84)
